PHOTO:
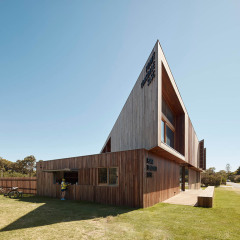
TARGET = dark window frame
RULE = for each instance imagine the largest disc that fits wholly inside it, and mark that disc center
(166, 122)
(166, 109)
(108, 174)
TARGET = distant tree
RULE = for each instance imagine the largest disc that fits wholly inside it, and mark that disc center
(238, 171)
(5, 164)
(29, 163)
(228, 169)
(20, 167)
(237, 178)
(223, 175)
(212, 178)
(24, 167)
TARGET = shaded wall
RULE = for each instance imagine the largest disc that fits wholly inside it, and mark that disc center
(128, 192)
(194, 181)
(164, 182)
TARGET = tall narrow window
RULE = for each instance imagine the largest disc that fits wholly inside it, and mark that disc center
(167, 112)
(162, 131)
(169, 137)
(167, 125)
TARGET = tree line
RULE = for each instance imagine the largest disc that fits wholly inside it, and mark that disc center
(20, 168)
(212, 178)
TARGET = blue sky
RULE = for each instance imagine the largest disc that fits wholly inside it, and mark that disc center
(67, 68)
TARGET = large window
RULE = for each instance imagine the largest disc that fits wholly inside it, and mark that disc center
(169, 137)
(108, 176)
(167, 125)
(167, 112)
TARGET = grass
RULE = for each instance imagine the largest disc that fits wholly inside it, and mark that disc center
(46, 218)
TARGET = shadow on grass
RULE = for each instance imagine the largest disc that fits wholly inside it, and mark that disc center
(56, 211)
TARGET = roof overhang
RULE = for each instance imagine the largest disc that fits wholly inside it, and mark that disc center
(171, 154)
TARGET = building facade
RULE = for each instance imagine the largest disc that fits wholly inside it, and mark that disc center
(149, 155)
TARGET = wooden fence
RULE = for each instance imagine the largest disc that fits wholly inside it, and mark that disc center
(25, 184)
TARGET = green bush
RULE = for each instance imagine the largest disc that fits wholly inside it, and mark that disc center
(231, 177)
(212, 178)
(237, 179)
(16, 174)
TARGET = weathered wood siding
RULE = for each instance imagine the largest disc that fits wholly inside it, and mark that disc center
(128, 192)
(25, 184)
(137, 125)
(193, 146)
(163, 184)
(194, 180)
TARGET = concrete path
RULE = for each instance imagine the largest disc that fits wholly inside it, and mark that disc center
(234, 185)
(189, 197)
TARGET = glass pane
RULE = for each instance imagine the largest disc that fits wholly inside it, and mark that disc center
(167, 112)
(170, 116)
(113, 176)
(169, 137)
(162, 131)
(102, 176)
(164, 107)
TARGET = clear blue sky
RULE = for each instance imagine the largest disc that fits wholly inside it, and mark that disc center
(67, 68)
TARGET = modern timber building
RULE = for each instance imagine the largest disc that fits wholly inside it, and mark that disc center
(150, 150)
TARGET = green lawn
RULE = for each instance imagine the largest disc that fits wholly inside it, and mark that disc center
(45, 218)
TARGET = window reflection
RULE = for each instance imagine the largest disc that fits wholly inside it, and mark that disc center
(169, 137)
(162, 131)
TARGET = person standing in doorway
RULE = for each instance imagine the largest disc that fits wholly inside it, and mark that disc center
(64, 186)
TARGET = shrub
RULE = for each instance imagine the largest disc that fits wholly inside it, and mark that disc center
(211, 180)
(231, 177)
(237, 178)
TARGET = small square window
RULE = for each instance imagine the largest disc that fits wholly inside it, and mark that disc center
(108, 176)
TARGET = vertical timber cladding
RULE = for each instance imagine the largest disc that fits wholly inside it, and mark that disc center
(204, 162)
(137, 124)
(128, 192)
(193, 146)
(201, 154)
(193, 179)
(163, 181)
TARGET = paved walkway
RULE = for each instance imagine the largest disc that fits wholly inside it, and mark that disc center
(234, 185)
(189, 197)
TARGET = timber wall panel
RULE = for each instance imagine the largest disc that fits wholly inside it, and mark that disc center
(25, 184)
(194, 181)
(163, 184)
(128, 192)
(201, 154)
(193, 146)
(137, 124)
